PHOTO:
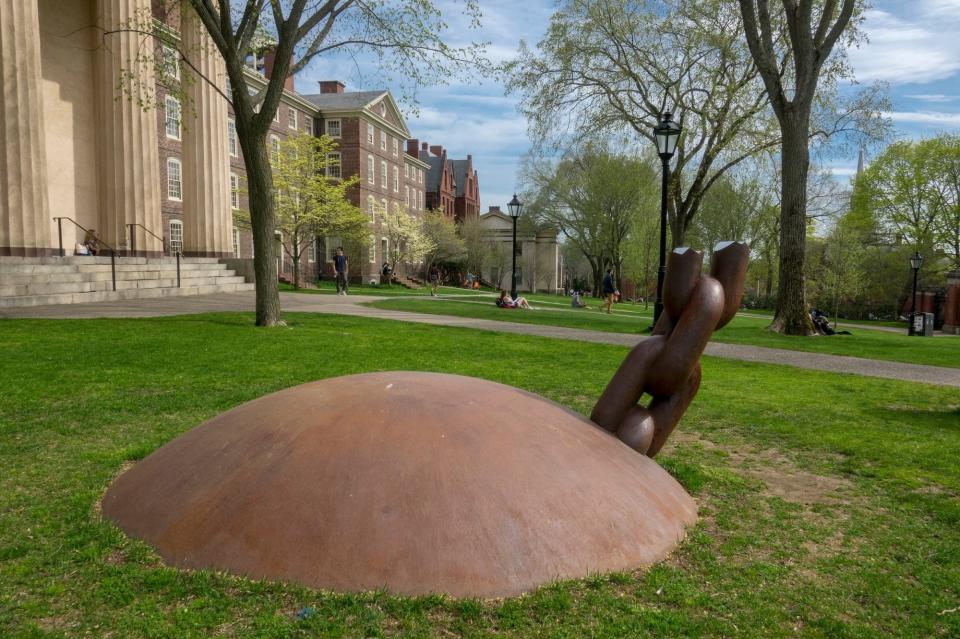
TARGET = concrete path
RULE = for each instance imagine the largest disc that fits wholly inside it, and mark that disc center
(350, 305)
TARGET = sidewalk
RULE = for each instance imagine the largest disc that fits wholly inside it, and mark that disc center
(350, 305)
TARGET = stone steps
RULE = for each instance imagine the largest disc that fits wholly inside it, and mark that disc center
(75, 280)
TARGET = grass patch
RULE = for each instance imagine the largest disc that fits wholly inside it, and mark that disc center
(326, 287)
(879, 555)
(553, 311)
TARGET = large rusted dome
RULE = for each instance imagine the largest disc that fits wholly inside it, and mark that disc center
(412, 482)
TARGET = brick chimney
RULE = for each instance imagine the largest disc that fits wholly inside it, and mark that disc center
(437, 150)
(332, 86)
(424, 147)
(494, 209)
(269, 57)
(413, 145)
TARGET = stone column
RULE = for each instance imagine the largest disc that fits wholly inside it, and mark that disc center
(207, 216)
(24, 210)
(128, 166)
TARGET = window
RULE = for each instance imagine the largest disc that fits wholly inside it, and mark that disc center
(308, 124)
(406, 171)
(372, 249)
(371, 170)
(396, 179)
(234, 190)
(312, 250)
(176, 236)
(236, 242)
(420, 176)
(383, 109)
(174, 184)
(396, 147)
(232, 137)
(406, 194)
(171, 63)
(333, 165)
(384, 245)
(420, 200)
(383, 173)
(330, 245)
(276, 115)
(172, 108)
(371, 208)
(383, 141)
(370, 134)
(274, 149)
(291, 118)
(384, 205)
(333, 128)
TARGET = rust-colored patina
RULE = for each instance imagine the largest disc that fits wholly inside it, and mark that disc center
(413, 482)
(421, 483)
(667, 366)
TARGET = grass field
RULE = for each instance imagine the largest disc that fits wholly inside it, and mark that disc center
(829, 504)
(327, 287)
(627, 318)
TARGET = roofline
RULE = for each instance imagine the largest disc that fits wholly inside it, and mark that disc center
(416, 160)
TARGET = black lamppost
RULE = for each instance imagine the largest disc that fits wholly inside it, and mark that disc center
(514, 206)
(916, 261)
(666, 135)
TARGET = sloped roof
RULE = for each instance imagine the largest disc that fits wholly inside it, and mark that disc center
(435, 174)
(350, 100)
(460, 174)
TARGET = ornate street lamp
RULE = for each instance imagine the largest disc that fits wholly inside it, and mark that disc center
(916, 261)
(514, 206)
(666, 134)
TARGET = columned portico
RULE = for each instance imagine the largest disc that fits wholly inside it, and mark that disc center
(128, 165)
(207, 215)
(24, 209)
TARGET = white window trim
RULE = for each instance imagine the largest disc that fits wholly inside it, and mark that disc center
(276, 115)
(236, 242)
(291, 118)
(396, 179)
(234, 191)
(372, 248)
(232, 140)
(176, 245)
(372, 208)
(383, 174)
(308, 124)
(334, 155)
(167, 102)
(371, 134)
(396, 147)
(339, 128)
(179, 165)
(274, 148)
(371, 170)
(172, 58)
(383, 140)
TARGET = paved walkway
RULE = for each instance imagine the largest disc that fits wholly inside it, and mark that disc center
(351, 306)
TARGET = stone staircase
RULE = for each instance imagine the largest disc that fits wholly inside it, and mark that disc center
(32, 281)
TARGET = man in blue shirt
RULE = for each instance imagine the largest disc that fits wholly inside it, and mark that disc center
(340, 266)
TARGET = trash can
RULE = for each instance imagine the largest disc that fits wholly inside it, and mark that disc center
(923, 324)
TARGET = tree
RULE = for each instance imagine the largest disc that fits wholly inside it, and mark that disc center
(406, 241)
(405, 36)
(791, 66)
(593, 198)
(447, 245)
(308, 203)
(948, 222)
(476, 247)
(607, 64)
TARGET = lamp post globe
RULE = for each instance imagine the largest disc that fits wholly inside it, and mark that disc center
(514, 206)
(666, 135)
(916, 261)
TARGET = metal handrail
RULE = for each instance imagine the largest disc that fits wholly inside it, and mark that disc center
(113, 251)
(133, 237)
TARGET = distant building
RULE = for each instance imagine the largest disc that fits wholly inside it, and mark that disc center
(538, 255)
(467, 203)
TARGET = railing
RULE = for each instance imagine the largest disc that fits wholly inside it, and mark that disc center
(113, 251)
(133, 237)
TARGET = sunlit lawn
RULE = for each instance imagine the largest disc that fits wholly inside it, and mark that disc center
(829, 504)
(630, 318)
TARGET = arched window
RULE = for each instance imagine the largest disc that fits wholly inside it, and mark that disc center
(176, 236)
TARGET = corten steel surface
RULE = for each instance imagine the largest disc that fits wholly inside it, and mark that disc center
(413, 482)
(667, 366)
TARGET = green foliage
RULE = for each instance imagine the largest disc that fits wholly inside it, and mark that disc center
(441, 231)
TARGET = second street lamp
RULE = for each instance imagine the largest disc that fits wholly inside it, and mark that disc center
(514, 206)
(666, 134)
(916, 261)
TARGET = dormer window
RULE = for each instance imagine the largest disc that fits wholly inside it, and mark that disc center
(383, 109)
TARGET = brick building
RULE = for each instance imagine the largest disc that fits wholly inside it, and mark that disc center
(467, 203)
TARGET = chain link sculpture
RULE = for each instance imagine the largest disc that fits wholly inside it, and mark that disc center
(666, 366)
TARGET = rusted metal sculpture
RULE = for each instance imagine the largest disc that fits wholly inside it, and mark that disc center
(423, 483)
(667, 366)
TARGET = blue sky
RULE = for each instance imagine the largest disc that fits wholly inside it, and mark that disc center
(914, 45)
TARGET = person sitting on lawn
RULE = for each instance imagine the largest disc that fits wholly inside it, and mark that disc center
(577, 301)
(505, 301)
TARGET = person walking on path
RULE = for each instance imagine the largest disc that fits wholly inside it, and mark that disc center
(434, 280)
(340, 266)
(609, 288)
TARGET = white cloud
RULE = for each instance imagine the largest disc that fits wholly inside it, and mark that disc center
(938, 118)
(919, 49)
(933, 97)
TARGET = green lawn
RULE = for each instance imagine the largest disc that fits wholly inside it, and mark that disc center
(829, 504)
(330, 288)
(627, 318)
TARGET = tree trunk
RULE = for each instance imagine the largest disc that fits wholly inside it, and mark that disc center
(791, 317)
(263, 224)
